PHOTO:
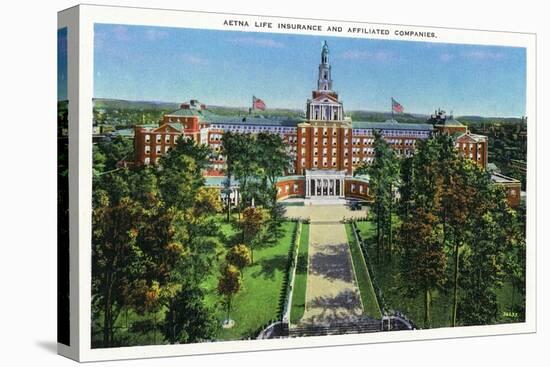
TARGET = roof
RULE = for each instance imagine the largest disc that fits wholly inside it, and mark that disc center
(390, 125)
(123, 132)
(491, 167)
(500, 178)
(253, 120)
(450, 121)
(364, 178)
(218, 181)
(288, 178)
(476, 138)
(176, 125)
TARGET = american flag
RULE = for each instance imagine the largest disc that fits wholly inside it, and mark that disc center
(396, 106)
(258, 104)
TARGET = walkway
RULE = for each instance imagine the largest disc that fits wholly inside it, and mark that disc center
(332, 295)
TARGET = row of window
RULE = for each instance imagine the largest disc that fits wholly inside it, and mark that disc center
(158, 149)
(361, 187)
(286, 189)
(466, 145)
(158, 138)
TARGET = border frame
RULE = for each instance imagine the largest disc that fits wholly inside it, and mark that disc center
(80, 21)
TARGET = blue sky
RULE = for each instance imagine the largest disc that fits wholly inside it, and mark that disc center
(228, 67)
(61, 64)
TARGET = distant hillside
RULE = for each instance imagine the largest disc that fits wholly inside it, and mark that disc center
(156, 109)
(376, 116)
(480, 119)
(120, 104)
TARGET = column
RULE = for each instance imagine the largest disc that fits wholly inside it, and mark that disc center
(342, 194)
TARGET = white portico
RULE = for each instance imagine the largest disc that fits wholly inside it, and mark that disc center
(326, 184)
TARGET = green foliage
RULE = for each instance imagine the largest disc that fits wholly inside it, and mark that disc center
(229, 283)
(179, 327)
(383, 177)
(364, 283)
(300, 281)
(453, 214)
(258, 301)
(153, 230)
(255, 161)
(239, 255)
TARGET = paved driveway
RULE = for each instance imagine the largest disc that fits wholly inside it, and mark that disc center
(332, 294)
(324, 213)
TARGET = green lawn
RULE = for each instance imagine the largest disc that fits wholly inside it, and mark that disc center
(300, 282)
(386, 275)
(366, 289)
(258, 300)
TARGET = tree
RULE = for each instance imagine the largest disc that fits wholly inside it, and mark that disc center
(115, 259)
(383, 175)
(252, 224)
(240, 256)
(114, 151)
(273, 159)
(423, 261)
(229, 284)
(489, 256)
(207, 202)
(188, 319)
(241, 155)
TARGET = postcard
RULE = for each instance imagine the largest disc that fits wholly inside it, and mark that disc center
(239, 182)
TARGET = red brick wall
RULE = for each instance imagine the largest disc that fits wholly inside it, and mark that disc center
(360, 189)
(286, 189)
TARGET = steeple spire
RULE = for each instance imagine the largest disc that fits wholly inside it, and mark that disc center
(325, 81)
(324, 54)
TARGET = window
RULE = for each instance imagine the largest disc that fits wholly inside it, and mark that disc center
(295, 187)
(166, 149)
(167, 139)
(147, 138)
(352, 187)
(147, 149)
(157, 150)
(159, 137)
(147, 160)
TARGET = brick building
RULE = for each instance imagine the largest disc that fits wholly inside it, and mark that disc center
(325, 145)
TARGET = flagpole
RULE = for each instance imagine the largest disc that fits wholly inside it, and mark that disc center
(391, 107)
